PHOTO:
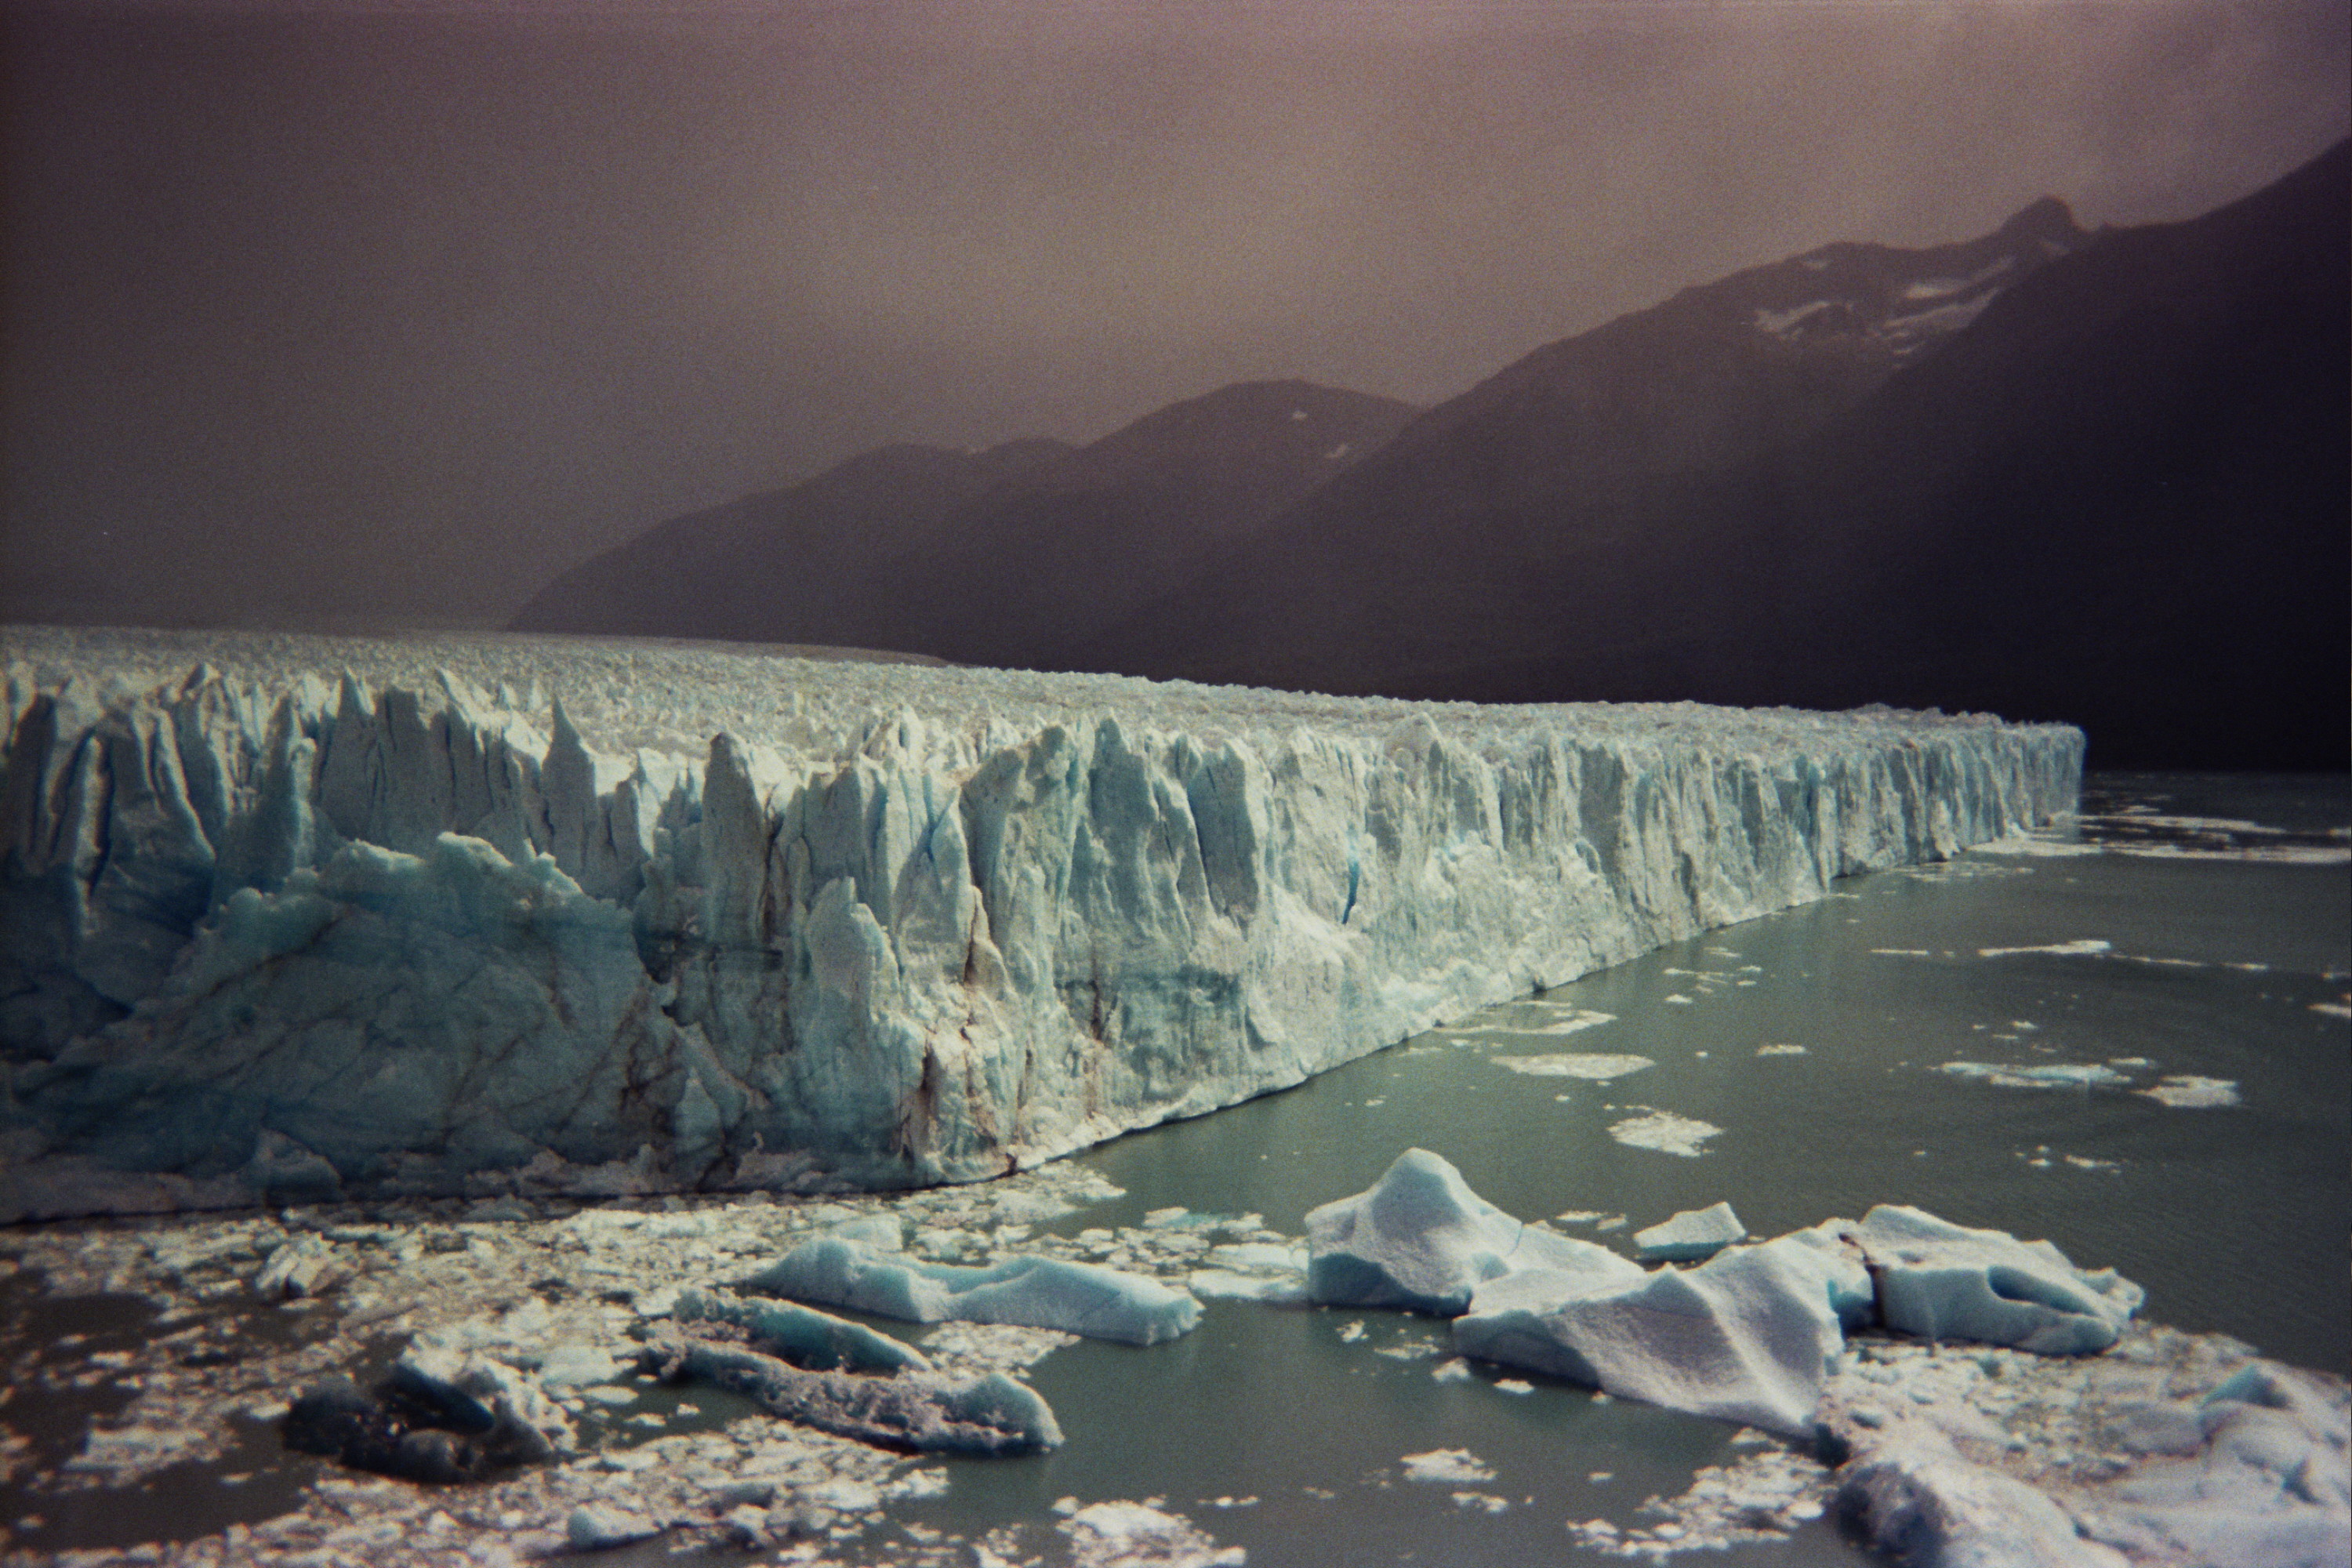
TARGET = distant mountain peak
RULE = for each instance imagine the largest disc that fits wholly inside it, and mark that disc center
(2047, 219)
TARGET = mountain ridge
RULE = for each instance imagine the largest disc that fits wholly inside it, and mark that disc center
(1991, 474)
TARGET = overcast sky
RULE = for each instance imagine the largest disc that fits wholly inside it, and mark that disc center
(390, 312)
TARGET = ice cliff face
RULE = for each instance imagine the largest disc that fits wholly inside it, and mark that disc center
(300, 914)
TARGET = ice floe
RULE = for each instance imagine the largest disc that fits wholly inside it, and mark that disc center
(2082, 947)
(1666, 1132)
(1453, 1467)
(2187, 1091)
(2037, 1075)
(1592, 1067)
(1137, 1535)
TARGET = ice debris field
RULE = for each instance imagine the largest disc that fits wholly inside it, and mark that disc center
(1960, 1396)
(300, 917)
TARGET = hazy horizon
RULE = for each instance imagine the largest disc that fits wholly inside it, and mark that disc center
(325, 315)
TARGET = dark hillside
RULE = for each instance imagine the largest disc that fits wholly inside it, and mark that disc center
(2116, 496)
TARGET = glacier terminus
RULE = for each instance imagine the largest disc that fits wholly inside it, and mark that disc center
(301, 917)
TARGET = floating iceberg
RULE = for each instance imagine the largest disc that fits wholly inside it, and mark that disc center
(1941, 1280)
(1037, 1292)
(445, 1414)
(1421, 1240)
(447, 914)
(922, 1411)
(811, 1340)
(1750, 1336)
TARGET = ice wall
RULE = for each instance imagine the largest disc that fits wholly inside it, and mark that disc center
(300, 915)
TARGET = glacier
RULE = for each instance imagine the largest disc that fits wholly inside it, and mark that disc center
(300, 916)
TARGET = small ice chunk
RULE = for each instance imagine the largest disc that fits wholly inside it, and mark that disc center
(881, 1231)
(1690, 1235)
(1275, 1290)
(1780, 1050)
(1420, 1240)
(1137, 1535)
(1450, 1466)
(2189, 1092)
(1590, 1067)
(2085, 947)
(571, 1364)
(2040, 1075)
(471, 1393)
(1666, 1132)
(1578, 1019)
(595, 1526)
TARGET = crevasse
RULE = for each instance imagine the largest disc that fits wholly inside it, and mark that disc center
(441, 914)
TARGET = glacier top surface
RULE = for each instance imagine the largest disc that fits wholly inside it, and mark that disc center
(674, 696)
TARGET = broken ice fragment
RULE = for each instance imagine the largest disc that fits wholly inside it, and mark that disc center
(2187, 1093)
(916, 1411)
(2086, 947)
(1420, 1240)
(1591, 1066)
(1454, 1466)
(1747, 1336)
(809, 1339)
(1038, 1292)
(2041, 1075)
(1131, 1534)
(1666, 1132)
(1690, 1235)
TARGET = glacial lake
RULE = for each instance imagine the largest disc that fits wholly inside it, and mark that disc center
(2234, 1217)
(2137, 1045)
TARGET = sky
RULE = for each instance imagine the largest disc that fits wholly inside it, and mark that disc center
(379, 314)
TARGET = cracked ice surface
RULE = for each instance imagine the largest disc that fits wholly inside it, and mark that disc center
(301, 917)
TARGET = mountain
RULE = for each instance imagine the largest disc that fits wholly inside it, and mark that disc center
(819, 562)
(2113, 493)
(1009, 557)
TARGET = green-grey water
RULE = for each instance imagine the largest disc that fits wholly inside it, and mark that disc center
(2235, 1217)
